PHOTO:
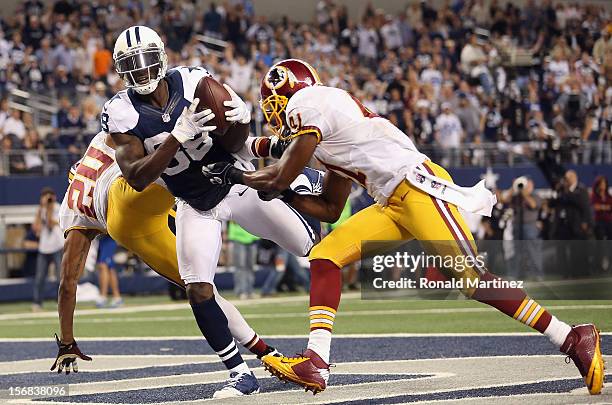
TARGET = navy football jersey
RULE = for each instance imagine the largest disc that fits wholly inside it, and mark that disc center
(126, 113)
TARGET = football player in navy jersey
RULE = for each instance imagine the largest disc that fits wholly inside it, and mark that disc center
(158, 134)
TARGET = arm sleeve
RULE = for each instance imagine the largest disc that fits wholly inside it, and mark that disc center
(256, 147)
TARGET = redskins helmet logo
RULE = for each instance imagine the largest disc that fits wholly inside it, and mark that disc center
(276, 77)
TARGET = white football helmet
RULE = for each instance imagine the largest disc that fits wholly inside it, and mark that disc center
(140, 58)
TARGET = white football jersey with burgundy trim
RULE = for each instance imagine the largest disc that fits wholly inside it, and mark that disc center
(353, 141)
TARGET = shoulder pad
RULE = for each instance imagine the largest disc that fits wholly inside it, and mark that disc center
(118, 114)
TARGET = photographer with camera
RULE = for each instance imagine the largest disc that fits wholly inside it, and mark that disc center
(525, 213)
(51, 240)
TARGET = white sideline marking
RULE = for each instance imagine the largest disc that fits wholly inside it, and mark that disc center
(336, 336)
(393, 312)
(164, 307)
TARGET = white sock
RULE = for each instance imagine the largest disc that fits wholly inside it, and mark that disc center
(319, 341)
(557, 331)
(241, 368)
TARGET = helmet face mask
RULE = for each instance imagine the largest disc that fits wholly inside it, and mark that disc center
(140, 64)
(273, 108)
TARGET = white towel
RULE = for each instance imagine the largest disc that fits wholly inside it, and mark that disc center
(476, 199)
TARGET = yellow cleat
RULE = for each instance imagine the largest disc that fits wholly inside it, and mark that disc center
(307, 370)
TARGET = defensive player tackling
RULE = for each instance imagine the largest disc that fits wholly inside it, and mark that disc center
(416, 199)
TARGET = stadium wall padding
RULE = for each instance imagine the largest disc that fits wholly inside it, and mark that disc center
(134, 284)
(25, 190)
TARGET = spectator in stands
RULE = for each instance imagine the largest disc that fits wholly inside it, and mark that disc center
(491, 121)
(469, 116)
(448, 135)
(474, 63)
(424, 53)
(423, 123)
(62, 54)
(602, 45)
(33, 76)
(51, 242)
(65, 85)
(558, 66)
(102, 61)
(71, 129)
(211, 23)
(99, 95)
(14, 126)
(32, 152)
(10, 162)
(241, 71)
(107, 273)
(601, 201)
(45, 57)
(4, 113)
(368, 42)
(33, 32)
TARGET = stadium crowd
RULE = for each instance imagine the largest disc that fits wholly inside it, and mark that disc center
(444, 75)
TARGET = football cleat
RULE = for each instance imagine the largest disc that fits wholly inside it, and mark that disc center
(239, 384)
(582, 345)
(307, 370)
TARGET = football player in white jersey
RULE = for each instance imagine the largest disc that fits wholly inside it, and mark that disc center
(416, 199)
(99, 201)
(158, 134)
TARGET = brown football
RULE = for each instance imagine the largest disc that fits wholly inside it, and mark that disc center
(212, 95)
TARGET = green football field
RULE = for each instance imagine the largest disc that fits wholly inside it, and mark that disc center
(287, 315)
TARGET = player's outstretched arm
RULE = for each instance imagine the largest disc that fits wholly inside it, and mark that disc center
(326, 206)
(76, 247)
(278, 177)
(271, 179)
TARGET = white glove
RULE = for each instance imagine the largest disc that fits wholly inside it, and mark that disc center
(190, 123)
(239, 112)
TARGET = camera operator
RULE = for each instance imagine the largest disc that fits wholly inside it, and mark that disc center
(525, 208)
(51, 241)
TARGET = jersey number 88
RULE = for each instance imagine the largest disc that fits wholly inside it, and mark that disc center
(192, 150)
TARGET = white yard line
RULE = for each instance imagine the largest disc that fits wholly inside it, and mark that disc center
(336, 336)
(165, 307)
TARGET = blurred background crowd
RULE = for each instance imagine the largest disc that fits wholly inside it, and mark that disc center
(467, 72)
(472, 82)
